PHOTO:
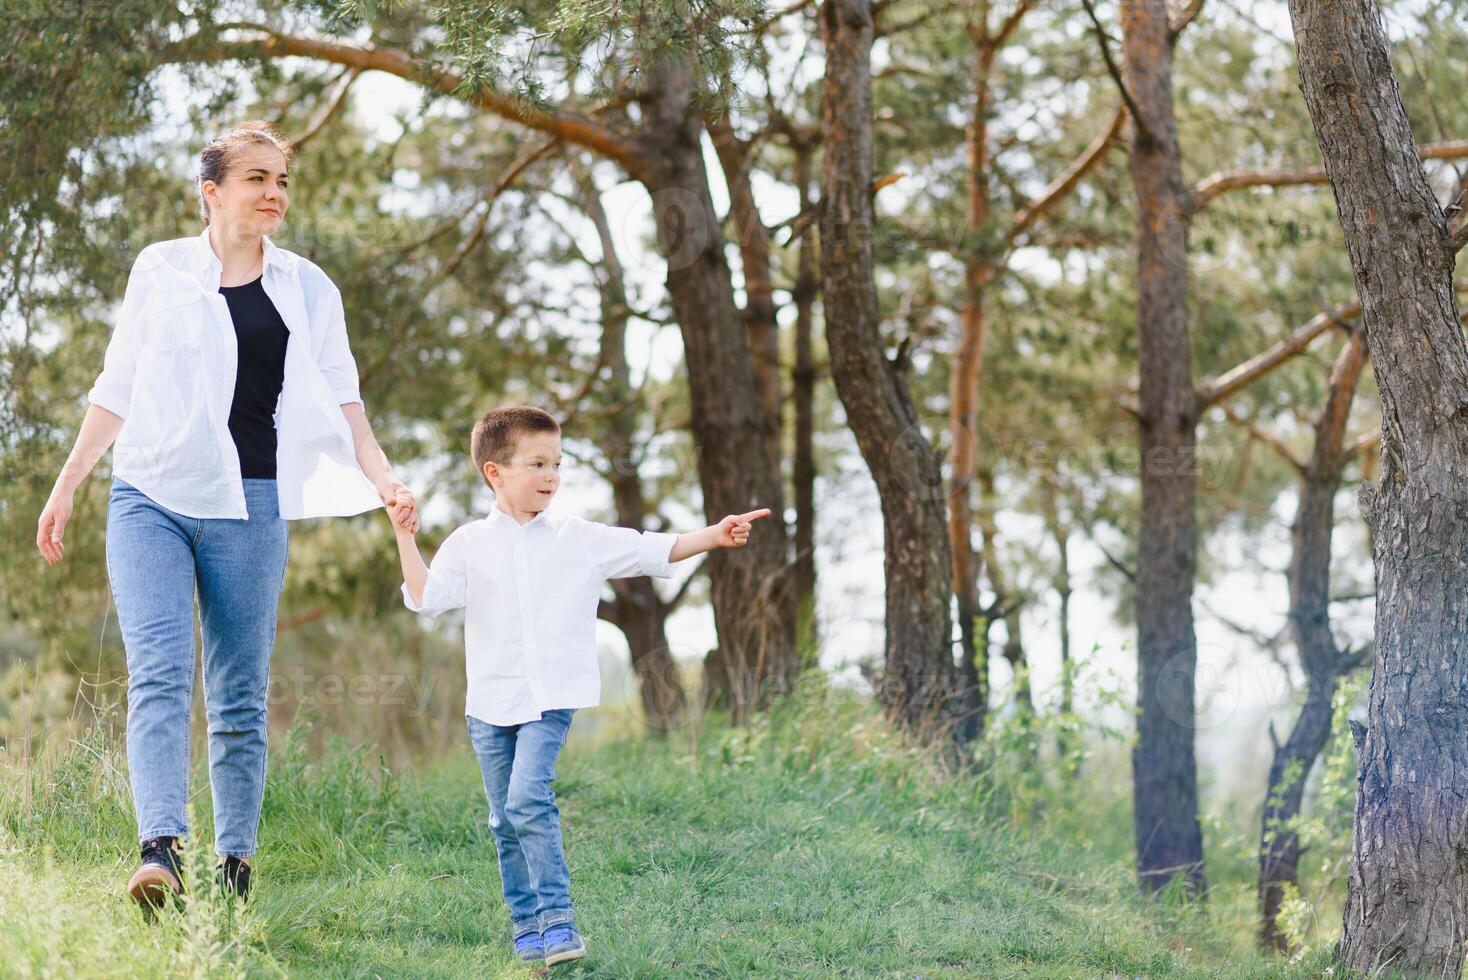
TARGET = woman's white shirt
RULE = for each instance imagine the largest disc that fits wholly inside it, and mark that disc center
(169, 372)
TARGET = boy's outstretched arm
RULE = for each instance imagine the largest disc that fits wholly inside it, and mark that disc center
(415, 572)
(731, 532)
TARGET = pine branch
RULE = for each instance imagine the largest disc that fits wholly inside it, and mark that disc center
(330, 111)
(1245, 374)
(1115, 73)
(1231, 180)
(574, 127)
(1268, 438)
(1067, 180)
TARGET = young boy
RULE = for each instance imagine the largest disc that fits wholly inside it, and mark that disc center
(530, 583)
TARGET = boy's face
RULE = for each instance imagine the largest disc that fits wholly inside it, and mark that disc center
(529, 481)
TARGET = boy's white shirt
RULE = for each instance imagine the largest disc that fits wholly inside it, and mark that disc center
(169, 372)
(530, 595)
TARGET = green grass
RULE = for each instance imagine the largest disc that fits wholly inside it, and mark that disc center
(813, 844)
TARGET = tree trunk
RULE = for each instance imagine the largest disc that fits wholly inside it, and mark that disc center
(920, 684)
(638, 611)
(1164, 770)
(753, 612)
(1279, 846)
(803, 388)
(1007, 604)
(963, 389)
(1063, 589)
(1407, 902)
(1060, 534)
(1323, 662)
(753, 239)
(642, 617)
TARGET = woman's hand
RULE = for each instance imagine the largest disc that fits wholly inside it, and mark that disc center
(399, 502)
(52, 525)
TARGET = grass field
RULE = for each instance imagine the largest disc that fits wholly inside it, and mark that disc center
(810, 845)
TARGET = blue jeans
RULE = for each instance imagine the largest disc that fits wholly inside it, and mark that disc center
(155, 557)
(518, 763)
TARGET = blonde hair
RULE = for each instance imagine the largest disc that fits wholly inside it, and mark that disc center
(221, 151)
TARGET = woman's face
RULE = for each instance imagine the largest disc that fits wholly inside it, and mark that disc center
(251, 199)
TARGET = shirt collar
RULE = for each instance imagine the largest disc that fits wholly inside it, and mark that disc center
(539, 520)
(205, 261)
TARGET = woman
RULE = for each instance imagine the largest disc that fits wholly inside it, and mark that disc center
(231, 392)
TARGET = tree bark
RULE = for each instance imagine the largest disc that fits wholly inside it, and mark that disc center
(1059, 530)
(1407, 900)
(1289, 768)
(755, 661)
(638, 611)
(983, 254)
(753, 240)
(803, 390)
(919, 684)
(1007, 604)
(963, 388)
(1169, 839)
(1322, 661)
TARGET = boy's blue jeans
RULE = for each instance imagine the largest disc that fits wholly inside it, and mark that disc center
(155, 558)
(518, 763)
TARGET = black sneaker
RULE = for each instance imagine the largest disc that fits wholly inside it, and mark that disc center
(160, 877)
(233, 876)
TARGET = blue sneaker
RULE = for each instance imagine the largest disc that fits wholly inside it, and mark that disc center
(530, 947)
(563, 942)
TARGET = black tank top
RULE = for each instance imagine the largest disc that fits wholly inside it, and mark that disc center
(261, 336)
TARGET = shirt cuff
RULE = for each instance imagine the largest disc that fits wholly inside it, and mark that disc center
(653, 552)
(408, 598)
(105, 398)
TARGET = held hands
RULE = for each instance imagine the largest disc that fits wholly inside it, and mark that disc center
(400, 504)
(733, 531)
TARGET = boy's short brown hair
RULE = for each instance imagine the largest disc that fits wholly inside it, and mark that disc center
(495, 435)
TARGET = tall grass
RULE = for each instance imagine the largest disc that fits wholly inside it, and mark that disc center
(812, 842)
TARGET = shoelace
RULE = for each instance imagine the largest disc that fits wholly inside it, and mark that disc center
(559, 934)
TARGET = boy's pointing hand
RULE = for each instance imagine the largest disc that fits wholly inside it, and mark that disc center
(733, 531)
